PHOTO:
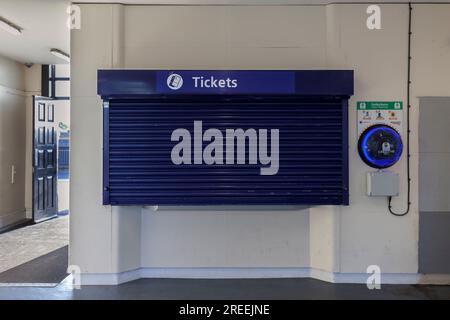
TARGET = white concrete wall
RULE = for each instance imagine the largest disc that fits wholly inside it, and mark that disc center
(224, 38)
(331, 239)
(12, 141)
(430, 72)
(368, 233)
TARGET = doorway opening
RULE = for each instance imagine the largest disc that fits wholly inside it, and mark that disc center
(51, 144)
(35, 251)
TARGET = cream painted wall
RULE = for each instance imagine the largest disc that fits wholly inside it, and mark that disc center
(336, 239)
(12, 141)
(90, 222)
(12, 74)
(32, 87)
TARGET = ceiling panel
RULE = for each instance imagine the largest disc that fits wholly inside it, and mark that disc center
(44, 27)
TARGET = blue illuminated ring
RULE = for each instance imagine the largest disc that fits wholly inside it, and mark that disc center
(370, 146)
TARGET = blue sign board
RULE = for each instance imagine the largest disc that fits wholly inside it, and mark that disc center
(230, 82)
(113, 83)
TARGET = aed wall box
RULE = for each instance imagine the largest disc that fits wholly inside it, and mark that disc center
(382, 183)
(142, 109)
(380, 146)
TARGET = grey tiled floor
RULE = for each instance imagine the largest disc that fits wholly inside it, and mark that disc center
(272, 289)
(27, 243)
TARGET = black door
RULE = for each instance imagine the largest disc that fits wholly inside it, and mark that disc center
(45, 196)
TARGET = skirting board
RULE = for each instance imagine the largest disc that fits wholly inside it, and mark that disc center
(255, 273)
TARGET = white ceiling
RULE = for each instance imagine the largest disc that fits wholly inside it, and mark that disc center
(44, 27)
(44, 23)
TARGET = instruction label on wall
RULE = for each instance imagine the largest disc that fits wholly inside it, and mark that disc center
(379, 112)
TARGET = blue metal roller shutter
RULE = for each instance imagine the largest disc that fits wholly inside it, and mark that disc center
(313, 152)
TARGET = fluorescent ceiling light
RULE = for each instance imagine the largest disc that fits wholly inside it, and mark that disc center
(10, 27)
(60, 54)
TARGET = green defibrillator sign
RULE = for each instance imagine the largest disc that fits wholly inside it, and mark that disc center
(370, 113)
(379, 105)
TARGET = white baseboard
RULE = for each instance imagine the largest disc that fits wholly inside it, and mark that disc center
(109, 278)
(11, 218)
(322, 275)
(29, 213)
(436, 279)
(386, 278)
(224, 273)
(256, 273)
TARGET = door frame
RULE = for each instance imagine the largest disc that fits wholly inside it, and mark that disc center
(33, 154)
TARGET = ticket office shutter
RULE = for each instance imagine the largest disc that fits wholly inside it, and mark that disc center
(313, 147)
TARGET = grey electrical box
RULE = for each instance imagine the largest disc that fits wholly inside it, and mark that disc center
(382, 183)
